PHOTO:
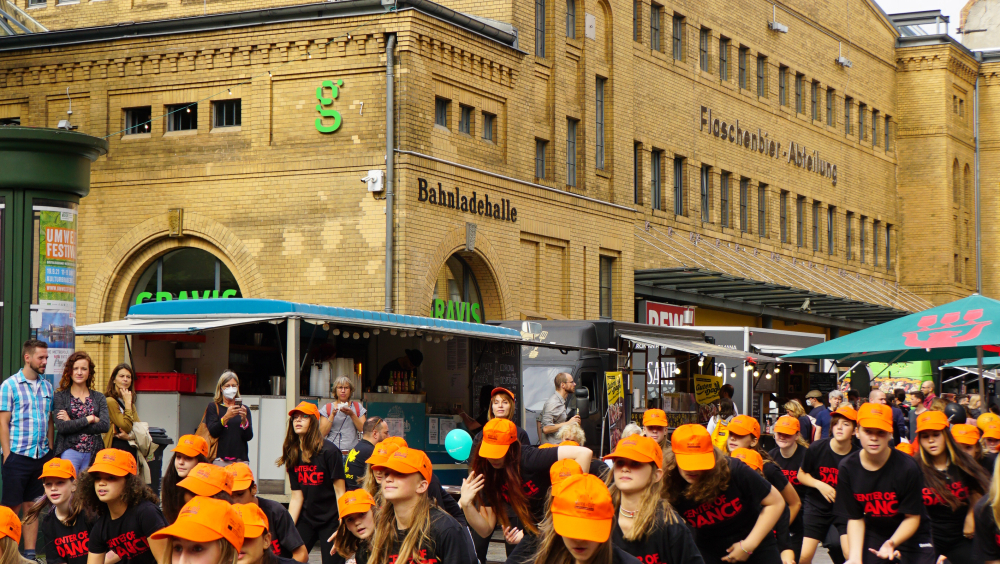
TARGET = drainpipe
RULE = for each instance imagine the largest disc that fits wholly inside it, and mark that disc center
(979, 233)
(389, 166)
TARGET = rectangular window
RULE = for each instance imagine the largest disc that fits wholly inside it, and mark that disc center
(228, 113)
(137, 120)
(42, 3)
(571, 152)
(875, 140)
(724, 200)
(848, 102)
(761, 76)
(571, 19)
(829, 106)
(799, 108)
(817, 221)
(607, 265)
(762, 210)
(182, 117)
(703, 48)
(815, 101)
(958, 270)
(875, 238)
(886, 130)
(656, 185)
(636, 171)
(888, 247)
(849, 235)
(441, 111)
(540, 28)
(706, 179)
(678, 186)
(636, 6)
(862, 237)
(783, 86)
(599, 133)
(745, 205)
(678, 37)
(862, 128)
(655, 16)
(783, 214)
(800, 218)
(723, 58)
(540, 146)
(465, 120)
(830, 241)
(12, 121)
(489, 124)
(743, 67)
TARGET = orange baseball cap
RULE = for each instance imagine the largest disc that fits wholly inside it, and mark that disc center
(985, 419)
(192, 445)
(568, 443)
(992, 431)
(498, 435)
(908, 448)
(254, 520)
(965, 434)
(787, 425)
(384, 449)
(563, 469)
(411, 460)
(207, 480)
(502, 391)
(751, 458)
(547, 445)
(582, 508)
(204, 519)
(242, 476)
(692, 446)
(655, 417)
(847, 412)
(10, 525)
(639, 449)
(355, 501)
(875, 416)
(115, 462)
(58, 468)
(932, 421)
(744, 425)
(305, 408)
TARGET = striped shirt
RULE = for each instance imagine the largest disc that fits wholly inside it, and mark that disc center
(29, 403)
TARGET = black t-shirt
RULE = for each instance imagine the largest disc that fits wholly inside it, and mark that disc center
(535, 478)
(790, 468)
(945, 523)
(988, 462)
(806, 428)
(233, 437)
(822, 463)
(285, 537)
(126, 536)
(987, 534)
(730, 517)
(883, 498)
(65, 545)
(774, 475)
(450, 543)
(446, 501)
(315, 479)
(355, 466)
(667, 543)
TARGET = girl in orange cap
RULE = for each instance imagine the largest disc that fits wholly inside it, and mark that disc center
(953, 483)
(879, 492)
(501, 406)
(579, 530)
(127, 512)
(10, 536)
(190, 451)
(967, 437)
(207, 531)
(357, 525)
(731, 509)
(66, 527)
(504, 477)
(315, 469)
(257, 547)
(788, 455)
(646, 526)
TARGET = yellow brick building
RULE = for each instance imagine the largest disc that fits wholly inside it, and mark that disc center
(685, 152)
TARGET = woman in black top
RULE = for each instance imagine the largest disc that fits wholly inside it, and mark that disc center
(788, 455)
(987, 515)
(953, 483)
(315, 470)
(81, 413)
(228, 420)
(879, 493)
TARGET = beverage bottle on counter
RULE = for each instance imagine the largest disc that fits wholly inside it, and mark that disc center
(413, 382)
(395, 382)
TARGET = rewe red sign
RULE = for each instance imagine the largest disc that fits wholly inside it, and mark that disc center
(666, 315)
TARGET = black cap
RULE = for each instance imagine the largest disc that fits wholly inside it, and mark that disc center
(415, 356)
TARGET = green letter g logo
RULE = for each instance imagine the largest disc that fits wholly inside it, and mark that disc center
(324, 109)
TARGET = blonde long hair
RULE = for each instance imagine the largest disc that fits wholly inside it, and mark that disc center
(794, 408)
(552, 549)
(417, 535)
(10, 554)
(994, 493)
(649, 507)
(371, 485)
(226, 377)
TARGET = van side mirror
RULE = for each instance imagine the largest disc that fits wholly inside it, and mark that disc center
(583, 401)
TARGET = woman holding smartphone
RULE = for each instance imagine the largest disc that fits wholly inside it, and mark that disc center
(228, 420)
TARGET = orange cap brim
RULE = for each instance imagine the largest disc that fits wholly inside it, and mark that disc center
(253, 531)
(583, 529)
(240, 485)
(487, 450)
(392, 464)
(695, 462)
(931, 427)
(56, 473)
(633, 455)
(187, 450)
(188, 531)
(875, 423)
(108, 469)
(198, 487)
(785, 429)
(355, 508)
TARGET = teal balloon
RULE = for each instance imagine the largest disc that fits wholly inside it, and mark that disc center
(458, 443)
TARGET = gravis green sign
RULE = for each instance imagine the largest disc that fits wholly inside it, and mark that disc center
(459, 311)
(325, 108)
(167, 296)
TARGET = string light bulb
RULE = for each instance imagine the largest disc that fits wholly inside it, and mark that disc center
(768, 375)
(677, 370)
(393, 332)
(376, 331)
(336, 331)
(756, 374)
(777, 369)
(356, 336)
(701, 362)
(718, 374)
(365, 334)
(733, 374)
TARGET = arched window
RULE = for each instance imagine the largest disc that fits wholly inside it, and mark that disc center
(956, 182)
(456, 293)
(970, 197)
(185, 274)
(571, 19)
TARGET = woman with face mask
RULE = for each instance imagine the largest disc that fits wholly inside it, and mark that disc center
(228, 420)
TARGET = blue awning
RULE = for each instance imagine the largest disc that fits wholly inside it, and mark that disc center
(190, 316)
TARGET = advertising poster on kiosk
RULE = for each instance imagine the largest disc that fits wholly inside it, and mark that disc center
(53, 311)
(616, 407)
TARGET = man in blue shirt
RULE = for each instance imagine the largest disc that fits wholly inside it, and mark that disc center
(819, 412)
(26, 431)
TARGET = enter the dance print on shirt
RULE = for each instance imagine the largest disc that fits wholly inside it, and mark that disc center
(878, 504)
(712, 512)
(308, 475)
(128, 545)
(72, 546)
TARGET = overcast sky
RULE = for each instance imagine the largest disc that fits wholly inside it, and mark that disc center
(950, 8)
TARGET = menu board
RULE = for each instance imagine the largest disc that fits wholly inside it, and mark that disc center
(498, 365)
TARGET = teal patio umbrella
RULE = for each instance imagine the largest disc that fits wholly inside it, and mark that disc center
(989, 363)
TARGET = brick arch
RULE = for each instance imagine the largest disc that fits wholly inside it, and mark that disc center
(486, 266)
